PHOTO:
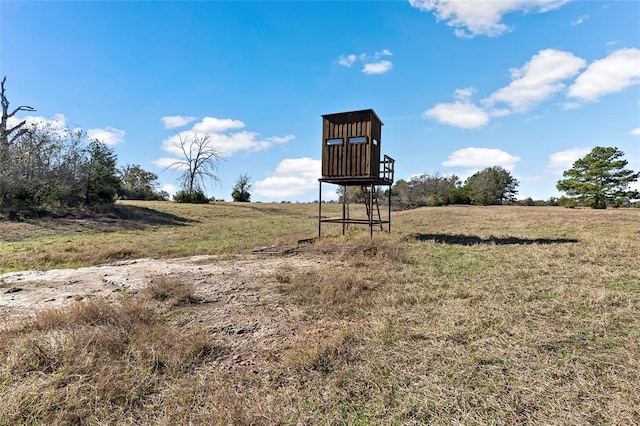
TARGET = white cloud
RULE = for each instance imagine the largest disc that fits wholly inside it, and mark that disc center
(635, 132)
(227, 144)
(612, 74)
(580, 20)
(372, 64)
(281, 139)
(471, 18)
(462, 114)
(222, 136)
(173, 121)
(169, 188)
(57, 124)
(347, 61)
(216, 125)
(571, 105)
(503, 112)
(109, 135)
(377, 67)
(538, 80)
(464, 94)
(167, 162)
(383, 52)
(563, 160)
(481, 158)
(294, 177)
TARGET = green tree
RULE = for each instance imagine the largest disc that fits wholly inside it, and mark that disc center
(459, 195)
(400, 195)
(600, 179)
(138, 184)
(432, 190)
(102, 178)
(493, 185)
(428, 190)
(353, 194)
(241, 189)
(195, 197)
(45, 165)
(48, 168)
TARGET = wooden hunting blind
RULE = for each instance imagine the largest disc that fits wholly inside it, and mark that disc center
(351, 143)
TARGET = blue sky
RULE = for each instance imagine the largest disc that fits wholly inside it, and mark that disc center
(529, 85)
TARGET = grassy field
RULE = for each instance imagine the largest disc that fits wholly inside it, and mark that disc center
(464, 315)
(153, 229)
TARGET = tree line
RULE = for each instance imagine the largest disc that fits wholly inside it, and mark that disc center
(493, 185)
(46, 166)
(598, 180)
(42, 165)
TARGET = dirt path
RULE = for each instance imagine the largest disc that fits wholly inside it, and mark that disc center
(215, 279)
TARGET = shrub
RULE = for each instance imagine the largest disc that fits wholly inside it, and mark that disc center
(195, 197)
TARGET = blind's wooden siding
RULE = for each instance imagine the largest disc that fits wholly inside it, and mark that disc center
(360, 159)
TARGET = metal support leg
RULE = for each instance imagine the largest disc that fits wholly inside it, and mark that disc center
(389, 202)
(320, 210)
(370, 201)
(344, 210)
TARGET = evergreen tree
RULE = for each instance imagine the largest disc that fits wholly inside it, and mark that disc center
(600, 179)
(241, 189)
(101, 174)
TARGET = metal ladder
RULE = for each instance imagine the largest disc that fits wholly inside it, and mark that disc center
(371, 200)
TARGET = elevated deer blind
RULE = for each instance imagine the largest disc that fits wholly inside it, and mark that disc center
(351, 144)
(351, 156)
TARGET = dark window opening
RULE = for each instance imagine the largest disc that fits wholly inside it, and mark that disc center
(358, 139)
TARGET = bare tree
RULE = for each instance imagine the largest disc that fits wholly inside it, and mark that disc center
(199, 162)
(6, 137)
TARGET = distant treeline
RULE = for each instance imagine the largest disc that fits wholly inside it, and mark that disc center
(492, 186)
(45, 167)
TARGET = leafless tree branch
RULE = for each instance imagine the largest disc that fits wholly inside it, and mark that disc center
(5, 134)
(200, 161)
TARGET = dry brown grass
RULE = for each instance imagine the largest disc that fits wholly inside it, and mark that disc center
(464, 315)
(166, 290)
(93, 360)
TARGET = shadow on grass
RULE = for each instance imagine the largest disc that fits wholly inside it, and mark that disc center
(144, 215)
(470, 240)
(100, 215)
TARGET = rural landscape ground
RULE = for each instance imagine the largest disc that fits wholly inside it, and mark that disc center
(162, 313)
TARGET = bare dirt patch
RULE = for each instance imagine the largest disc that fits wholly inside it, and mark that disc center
(234, 281)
